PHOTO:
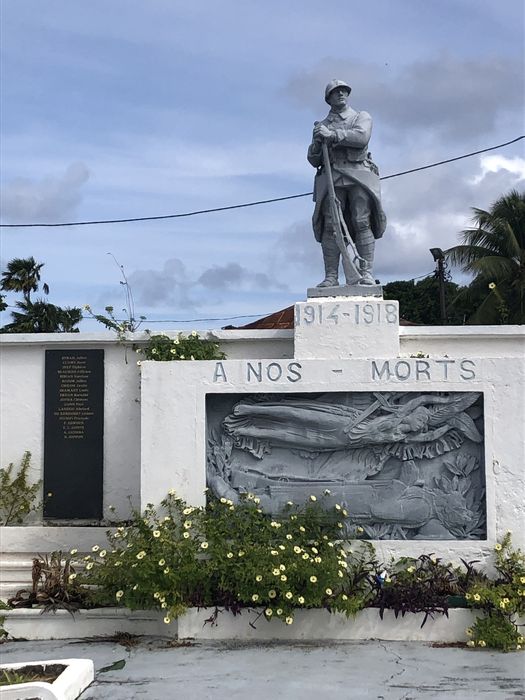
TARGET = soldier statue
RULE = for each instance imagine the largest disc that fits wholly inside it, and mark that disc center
(347, 195)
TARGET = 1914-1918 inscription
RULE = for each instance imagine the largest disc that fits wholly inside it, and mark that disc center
(73, 434)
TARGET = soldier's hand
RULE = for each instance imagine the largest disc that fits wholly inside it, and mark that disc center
(322, 133)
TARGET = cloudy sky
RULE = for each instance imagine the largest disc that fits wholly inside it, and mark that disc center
(127, 108)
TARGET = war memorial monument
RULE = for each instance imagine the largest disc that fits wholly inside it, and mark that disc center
(399, 441)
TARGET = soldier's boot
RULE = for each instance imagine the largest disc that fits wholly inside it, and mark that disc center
(365, 245)
(331, 257)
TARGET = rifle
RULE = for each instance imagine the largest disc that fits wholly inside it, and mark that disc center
(342, 237)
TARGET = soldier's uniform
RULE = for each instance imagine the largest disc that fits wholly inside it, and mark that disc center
(357, 186)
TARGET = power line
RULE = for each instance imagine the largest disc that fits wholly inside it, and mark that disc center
(250, 204)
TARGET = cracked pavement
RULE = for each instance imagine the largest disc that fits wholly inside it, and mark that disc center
(159, 669)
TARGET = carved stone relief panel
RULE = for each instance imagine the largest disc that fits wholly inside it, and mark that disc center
(405, 465)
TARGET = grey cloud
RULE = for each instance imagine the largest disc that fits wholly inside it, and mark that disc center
(233, 275)
(447, 95)
(174, 285)
(47, 200)
(170, 285)
(223, 276)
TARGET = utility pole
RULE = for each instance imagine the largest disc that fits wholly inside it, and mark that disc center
(439, 258)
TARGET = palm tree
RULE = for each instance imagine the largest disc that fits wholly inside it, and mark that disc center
(494, 251)
(23, 275)
(42, 317)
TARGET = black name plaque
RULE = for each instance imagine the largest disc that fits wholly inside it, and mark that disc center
(74, 434)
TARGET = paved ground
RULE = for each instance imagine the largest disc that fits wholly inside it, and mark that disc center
(155, 669)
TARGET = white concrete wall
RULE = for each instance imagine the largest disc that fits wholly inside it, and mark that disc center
(22, 366)
(22, 360)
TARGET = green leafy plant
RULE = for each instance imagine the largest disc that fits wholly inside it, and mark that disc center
(54, 586)
(162, 348)
(18, 497)
(502, 600)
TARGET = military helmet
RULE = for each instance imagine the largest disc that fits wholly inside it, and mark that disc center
(333, 84)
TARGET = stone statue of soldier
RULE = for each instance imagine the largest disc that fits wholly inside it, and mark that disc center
(355, 181)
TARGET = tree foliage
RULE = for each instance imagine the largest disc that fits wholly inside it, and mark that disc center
(494, 251)
(23, 276)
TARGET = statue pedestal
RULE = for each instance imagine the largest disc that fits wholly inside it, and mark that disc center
(342, 326)
(346, 290)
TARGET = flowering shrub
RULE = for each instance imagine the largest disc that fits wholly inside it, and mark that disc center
(501, 599)
(233, 556)
(191, 347)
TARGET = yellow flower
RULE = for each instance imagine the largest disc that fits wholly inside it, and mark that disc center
(95, 548)
(258, 577)
(72, 577)
(492, 285)
(276, 572)
(282, 567)
(163, 605)
(74, 551)
(167, 620)
(300, 600)
(274, 552)
(162, 562)
(306, 556)
(268, 612)
(315, 551)
(289, 621)
(301, 528)
(89, 565)
(340, 574)
(411, 569)
(156, 533)
(469, 631)
(230, 555)
(502, 604)
(477, 597)
(337, 506)
(522, 578)
(135, 587)
(467, 596)
(288, 537)
(185, 535)
(141, 555)
(482, 643)
(297, 549)
(204, 545)
(102, 553)
(256, 500)
(313, 498)
(283, 578)
(471, 643)
(272, 593)
(156, 595)
(282, 547)
(119, 594)
(186, 524)
(506, 601)
(167, 570)
(313, 579)
(328, 591)
(360, 529)
(518, 647)
(279, 611)
(497, 547)
(288, 595)
(255, 597)
(318, 560)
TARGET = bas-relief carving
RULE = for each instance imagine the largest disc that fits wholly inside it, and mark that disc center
(404, 465)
